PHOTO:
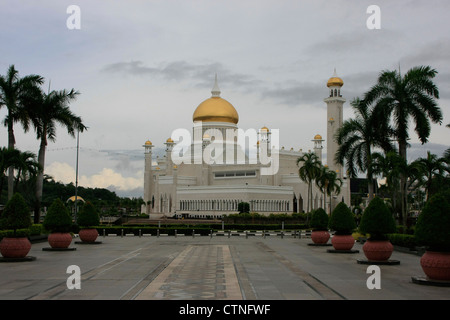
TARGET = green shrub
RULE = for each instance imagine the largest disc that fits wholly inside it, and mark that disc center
(342, 219)
(433, 224)
(57, 218)
(16, 214)
(88, 215)
(377, 220)
(403, 240)
(319, 220)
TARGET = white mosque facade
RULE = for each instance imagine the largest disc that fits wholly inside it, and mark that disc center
(222, 165)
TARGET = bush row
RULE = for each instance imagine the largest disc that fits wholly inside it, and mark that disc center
(198, 229)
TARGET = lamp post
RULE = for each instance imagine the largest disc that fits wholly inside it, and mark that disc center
(76, 177)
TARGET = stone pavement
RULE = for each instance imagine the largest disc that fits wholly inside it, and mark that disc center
(209, 268)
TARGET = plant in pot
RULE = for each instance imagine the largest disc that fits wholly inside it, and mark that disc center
(432, 231)
(319, 225)
(378, 222)
(58, 222)
(342, 221)
(15, 216)
(88, 217)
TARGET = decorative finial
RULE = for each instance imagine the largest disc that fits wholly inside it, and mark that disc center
(215, 91)
(335, 74)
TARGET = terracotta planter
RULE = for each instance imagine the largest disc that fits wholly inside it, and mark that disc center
(320, 237)
(378, 250)
(15, 247)
(59, 239)
(88, 235)
(343, 242)
(436, 265)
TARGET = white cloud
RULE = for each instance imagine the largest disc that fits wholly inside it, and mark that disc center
(106, 178)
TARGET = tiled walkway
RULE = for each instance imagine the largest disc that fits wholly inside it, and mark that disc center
(199, 272)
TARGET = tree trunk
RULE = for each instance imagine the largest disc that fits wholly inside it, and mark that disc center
(403, 192)
(40, 179)
(11, 144)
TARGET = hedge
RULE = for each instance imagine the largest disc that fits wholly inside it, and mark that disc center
(403, 240)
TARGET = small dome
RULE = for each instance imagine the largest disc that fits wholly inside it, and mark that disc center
(148, 143)
(265, 129)
(335, 81)
(317, 137)
(169, 140)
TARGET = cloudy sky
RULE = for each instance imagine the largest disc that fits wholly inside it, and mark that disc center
(142, 67)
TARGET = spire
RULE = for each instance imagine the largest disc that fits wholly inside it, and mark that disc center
(215, 90)
(334, 74)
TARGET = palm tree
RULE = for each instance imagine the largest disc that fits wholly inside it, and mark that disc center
(399, 99)
(49, 110)
(308, 172)
(356, 139)
(433, 167)
(329, 183)
(14, 94)
(26, 164)
(392, 166)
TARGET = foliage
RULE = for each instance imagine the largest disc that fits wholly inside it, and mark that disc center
(433, 223)
(308, 172)
(57, 218)
(342, 219)
(403, 240)
(244, 207)
(16, 214)
(377, 220)
(88, 215)
(319, 220)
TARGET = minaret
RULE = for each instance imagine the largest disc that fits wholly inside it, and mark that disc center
(169, 147)
(335, 104)
(318, 146)
(148, 176)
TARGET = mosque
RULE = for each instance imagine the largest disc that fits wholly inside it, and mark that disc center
(209, 175)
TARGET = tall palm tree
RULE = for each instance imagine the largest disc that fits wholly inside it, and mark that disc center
(399, 99)
(14, 94)
(433, 167)
(329, 183)
(49, 110)
(308, 172)
(356, 139)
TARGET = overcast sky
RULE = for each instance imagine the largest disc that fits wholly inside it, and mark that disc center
(142, 67)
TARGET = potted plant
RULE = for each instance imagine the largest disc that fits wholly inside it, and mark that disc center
(319, 225)
(15, 216)
(88, 217)
(58, 222)
(377, 221)
(432, 231)
(343, 223)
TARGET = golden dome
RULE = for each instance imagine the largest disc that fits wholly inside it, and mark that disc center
(317, 137)
(264, 129)
(169, 140)
(148, 143)
(335, 81)
(216, 109)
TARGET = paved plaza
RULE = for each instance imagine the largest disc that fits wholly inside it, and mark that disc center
(209, 268)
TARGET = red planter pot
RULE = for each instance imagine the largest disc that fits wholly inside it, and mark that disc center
(343, 242)
(320, 237)
(15, 247)
(378, 250)
(59, 240)
(436, 265)
(88, 235)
